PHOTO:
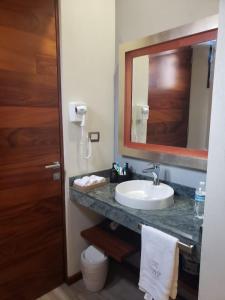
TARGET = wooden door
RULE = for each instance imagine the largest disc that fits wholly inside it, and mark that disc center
(31, 202)
(168, 97)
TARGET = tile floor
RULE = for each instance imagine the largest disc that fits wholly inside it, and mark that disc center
(121, 285)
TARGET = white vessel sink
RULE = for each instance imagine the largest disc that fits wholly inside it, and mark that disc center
(142, 194)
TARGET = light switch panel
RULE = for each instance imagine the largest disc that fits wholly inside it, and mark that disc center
(94, 136)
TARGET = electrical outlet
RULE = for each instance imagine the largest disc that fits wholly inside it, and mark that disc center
(94, 136)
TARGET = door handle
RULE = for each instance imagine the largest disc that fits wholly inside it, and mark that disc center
(54, 165)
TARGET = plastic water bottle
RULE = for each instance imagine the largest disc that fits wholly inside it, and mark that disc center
(200, 200)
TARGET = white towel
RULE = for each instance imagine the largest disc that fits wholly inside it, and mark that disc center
(96, 179)
(82, 181)
(89, 180)
(159, 264)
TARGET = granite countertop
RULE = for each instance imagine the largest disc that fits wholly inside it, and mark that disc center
(178, 220)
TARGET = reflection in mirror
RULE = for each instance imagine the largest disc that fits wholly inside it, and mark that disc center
(171, 96)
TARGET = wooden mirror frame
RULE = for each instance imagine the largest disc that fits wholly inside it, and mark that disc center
(197, 32)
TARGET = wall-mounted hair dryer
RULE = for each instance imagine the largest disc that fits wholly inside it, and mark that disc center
(77, 114)
(81, 111)
(140, 112)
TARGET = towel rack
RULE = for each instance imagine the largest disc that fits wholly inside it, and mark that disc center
(183, 247)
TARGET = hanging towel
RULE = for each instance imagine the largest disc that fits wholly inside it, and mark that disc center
(159, 264)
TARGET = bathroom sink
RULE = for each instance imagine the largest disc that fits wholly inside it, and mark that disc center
(142, 194)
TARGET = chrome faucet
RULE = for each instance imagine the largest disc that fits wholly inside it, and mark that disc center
(154, 170)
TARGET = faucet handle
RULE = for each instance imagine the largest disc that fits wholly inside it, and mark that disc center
(153, 166)
(154, 169)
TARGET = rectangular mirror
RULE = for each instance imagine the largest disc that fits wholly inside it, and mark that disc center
(166, 95)
(172, 95)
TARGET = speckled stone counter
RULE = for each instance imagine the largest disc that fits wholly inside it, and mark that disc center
(178, 220)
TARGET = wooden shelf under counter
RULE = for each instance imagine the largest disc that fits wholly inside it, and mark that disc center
(117, 244)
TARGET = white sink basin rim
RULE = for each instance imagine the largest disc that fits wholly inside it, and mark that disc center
(142, 194)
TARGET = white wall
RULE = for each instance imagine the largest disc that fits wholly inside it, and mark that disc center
(87, 70)
(140, 76)
(213, 246)
(136, 19)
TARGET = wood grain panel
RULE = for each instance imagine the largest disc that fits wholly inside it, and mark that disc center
(30, 44)
(42, 216)
(31, 201)
(28, 137)
(166, 115)
(27, 89)
(35, 192)
(27, 19)
(168, 133)
(28, 284)
(23, 117)
(23, 176)
(12, 61)
(46, 65)
(39, 8)
(20, 159)
(170, 75)
(22, 243)
(117, 244)
(170, 99)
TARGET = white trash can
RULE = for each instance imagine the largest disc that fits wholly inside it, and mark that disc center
(94, 268)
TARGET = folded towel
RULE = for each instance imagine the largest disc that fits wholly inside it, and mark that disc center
(159, 264)
(96, 179)
(89, 180)
(82, 181)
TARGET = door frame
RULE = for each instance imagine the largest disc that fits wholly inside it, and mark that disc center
(58, 56)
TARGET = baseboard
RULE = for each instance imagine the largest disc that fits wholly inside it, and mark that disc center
(74, 278)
